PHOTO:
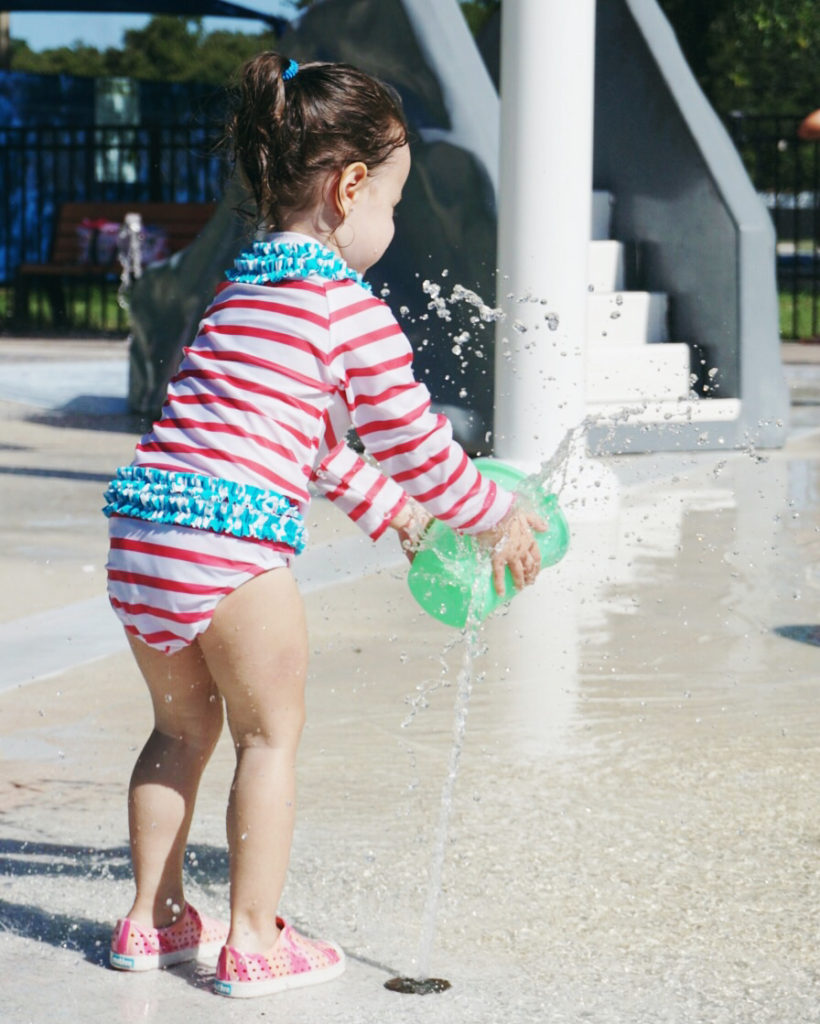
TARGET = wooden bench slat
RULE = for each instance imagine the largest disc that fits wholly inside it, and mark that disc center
(181, 222)
(67, 269)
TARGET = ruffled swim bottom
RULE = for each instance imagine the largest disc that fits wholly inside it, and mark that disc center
(164, 581)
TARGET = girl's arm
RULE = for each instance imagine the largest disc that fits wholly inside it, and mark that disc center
(369, 498)
(366, 496)
(391, 413)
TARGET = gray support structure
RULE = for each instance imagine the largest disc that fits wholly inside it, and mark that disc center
(700, 232)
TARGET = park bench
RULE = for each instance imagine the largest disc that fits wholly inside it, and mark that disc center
(77, 259)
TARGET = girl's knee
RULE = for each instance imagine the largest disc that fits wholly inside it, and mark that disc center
(280, 730)
(197, 727)
(212, 722)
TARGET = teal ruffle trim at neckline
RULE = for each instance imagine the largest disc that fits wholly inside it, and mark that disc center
(269, 262)
(205, 503)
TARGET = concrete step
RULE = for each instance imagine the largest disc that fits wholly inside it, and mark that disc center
(601, 215)
(628, 318)
(678, 410)
(606, 266)
(629, 373)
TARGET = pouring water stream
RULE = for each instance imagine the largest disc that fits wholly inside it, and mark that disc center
(552, 474)
(423, 983)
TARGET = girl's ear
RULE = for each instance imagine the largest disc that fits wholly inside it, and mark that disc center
(352, 181)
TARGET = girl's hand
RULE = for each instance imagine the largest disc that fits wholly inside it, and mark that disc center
(512, 544)
(410, 523)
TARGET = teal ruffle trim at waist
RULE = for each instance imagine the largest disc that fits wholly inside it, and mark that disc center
(205, 503)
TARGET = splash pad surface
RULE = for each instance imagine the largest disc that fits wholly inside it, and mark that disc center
(633, 835)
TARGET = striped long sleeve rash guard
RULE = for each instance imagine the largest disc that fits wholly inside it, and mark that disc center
(274, 379)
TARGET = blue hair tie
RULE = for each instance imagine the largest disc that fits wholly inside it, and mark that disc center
(290, 71)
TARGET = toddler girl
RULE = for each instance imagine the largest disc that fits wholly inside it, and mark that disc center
(206, 520)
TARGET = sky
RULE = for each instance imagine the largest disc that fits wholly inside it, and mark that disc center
(47, 30)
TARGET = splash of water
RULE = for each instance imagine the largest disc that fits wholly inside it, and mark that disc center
(553, 473)
(439, 304)
(464, 691)
(422, 983)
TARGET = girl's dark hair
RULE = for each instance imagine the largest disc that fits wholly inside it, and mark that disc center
(286, 135)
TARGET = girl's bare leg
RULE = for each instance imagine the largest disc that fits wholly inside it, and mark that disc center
(164, 783)
(256, 650)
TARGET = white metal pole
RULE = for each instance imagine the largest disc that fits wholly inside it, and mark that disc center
(545, 199)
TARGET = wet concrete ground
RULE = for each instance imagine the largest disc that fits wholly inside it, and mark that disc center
(635, 832)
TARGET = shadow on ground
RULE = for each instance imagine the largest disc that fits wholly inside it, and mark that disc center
(205, 866)
(805, 634)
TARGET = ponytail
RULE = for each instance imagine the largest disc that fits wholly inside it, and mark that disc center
(294, 123)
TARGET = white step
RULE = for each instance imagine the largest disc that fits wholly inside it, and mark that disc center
(678, 410)
(606, 266)
(628, 318)
(601, 214)
(629, 373)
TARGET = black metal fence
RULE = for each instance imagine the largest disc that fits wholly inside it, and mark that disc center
(42, 167)
(785, 171)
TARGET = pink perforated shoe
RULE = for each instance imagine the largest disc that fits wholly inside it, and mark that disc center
(134, 948)
(292, 961)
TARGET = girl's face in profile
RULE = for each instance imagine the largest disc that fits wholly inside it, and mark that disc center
(370, 220)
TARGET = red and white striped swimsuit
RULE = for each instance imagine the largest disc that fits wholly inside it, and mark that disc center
(265, 395)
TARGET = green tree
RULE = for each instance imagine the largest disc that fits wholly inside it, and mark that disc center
(479, 12)
(167, 45)
(756, 56)
(769, 60)
(72, 60)
(168, 49)
(692, 21)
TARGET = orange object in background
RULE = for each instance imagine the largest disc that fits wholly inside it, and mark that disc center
(809, 128)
